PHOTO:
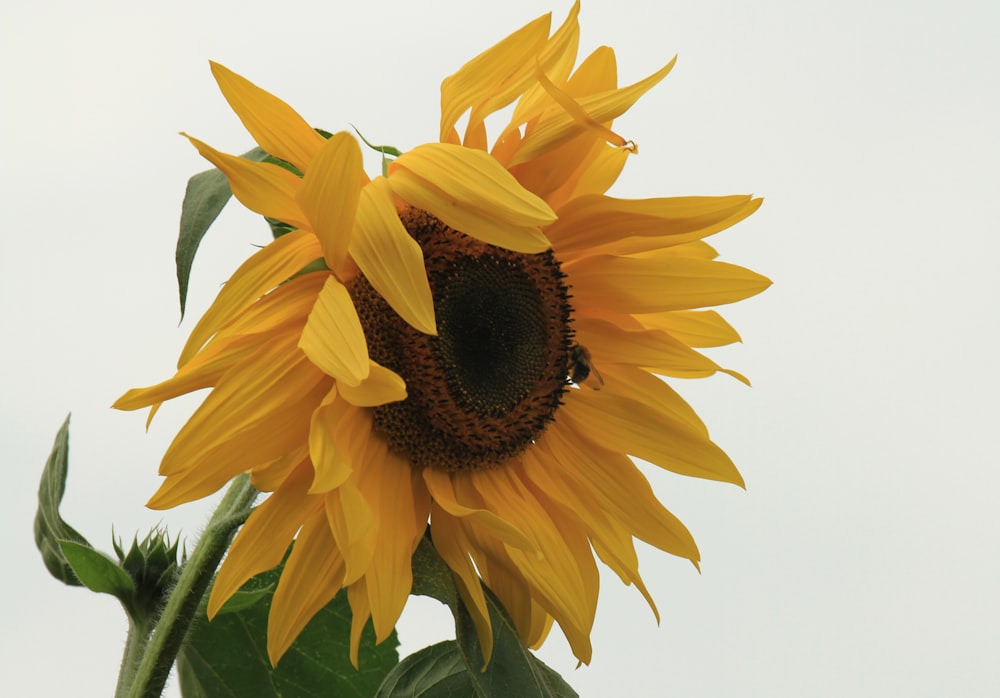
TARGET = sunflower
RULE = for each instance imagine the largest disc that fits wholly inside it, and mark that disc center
(474, 341)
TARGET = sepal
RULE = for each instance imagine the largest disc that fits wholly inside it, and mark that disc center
(50, 528)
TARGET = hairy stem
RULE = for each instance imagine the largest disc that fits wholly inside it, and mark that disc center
(158, 656)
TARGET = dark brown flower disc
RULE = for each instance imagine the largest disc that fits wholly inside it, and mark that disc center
(491, 380)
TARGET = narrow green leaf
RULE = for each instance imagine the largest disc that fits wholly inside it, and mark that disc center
(438, 671)
(206, 194)
(49, 525)
(228, 656)
(96, 570)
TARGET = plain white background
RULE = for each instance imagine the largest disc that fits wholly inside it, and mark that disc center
(862, 559)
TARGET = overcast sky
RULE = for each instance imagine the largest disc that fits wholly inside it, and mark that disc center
(864, 557)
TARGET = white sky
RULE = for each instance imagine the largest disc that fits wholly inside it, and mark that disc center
(862, 560)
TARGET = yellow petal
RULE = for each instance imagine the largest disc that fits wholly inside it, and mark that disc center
(624, 425)
(591, 221)
(350, 518)
(402, 504)
(556, 59)
(629, 381)
(235, 429)
(203, 371)
(471, 192)
(601, 108)
(482, 75)
(331, 450)
(333, 339)
(656, 282)
(312, 576)
(651, 349)
(277, 127)
(564, 576)
(578, 463)
(243, 400)
(357, 597)
(264, 538)
(696, 328)
(380, 387)
(267, 268)
(442, 489)
(279, 310)
(260, 186)
(329, 195)
(453, 545)
(270, 476)
(556, 63)
(390, 259)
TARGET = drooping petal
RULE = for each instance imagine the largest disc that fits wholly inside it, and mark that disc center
(623, 425)
(241, 402)
(312, 576)
(563, 577)
(579, 463)
(612, 540)
(333, 339)
(272, 265)
(329, 194)
(471, 192)
(263, 540)
(454, 547)
(273, 124)
(390, 258)
(401, 504)
(235, 429)
(331, 456)
(357, 597)
(380, 387)
(260, 186)
(442, 489)
(353, 523)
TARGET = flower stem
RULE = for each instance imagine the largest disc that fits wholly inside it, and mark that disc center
(196, 574)
(135, 647)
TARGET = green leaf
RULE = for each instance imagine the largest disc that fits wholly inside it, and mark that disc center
(513, 670)
(49, 525)
(242, 600)
(228, 656)
(206, 195)
(438, 671)
(96, 570)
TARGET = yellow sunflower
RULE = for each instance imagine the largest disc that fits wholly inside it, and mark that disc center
(480, 351)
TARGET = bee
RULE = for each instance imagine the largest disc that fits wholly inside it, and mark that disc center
(582, 370)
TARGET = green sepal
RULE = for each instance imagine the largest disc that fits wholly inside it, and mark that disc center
(278, 228)
(228, 655)
(512, 670)
(50, 528)
(97, 571)
(204, 198)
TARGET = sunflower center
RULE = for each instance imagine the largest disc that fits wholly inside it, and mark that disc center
(489, 383)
